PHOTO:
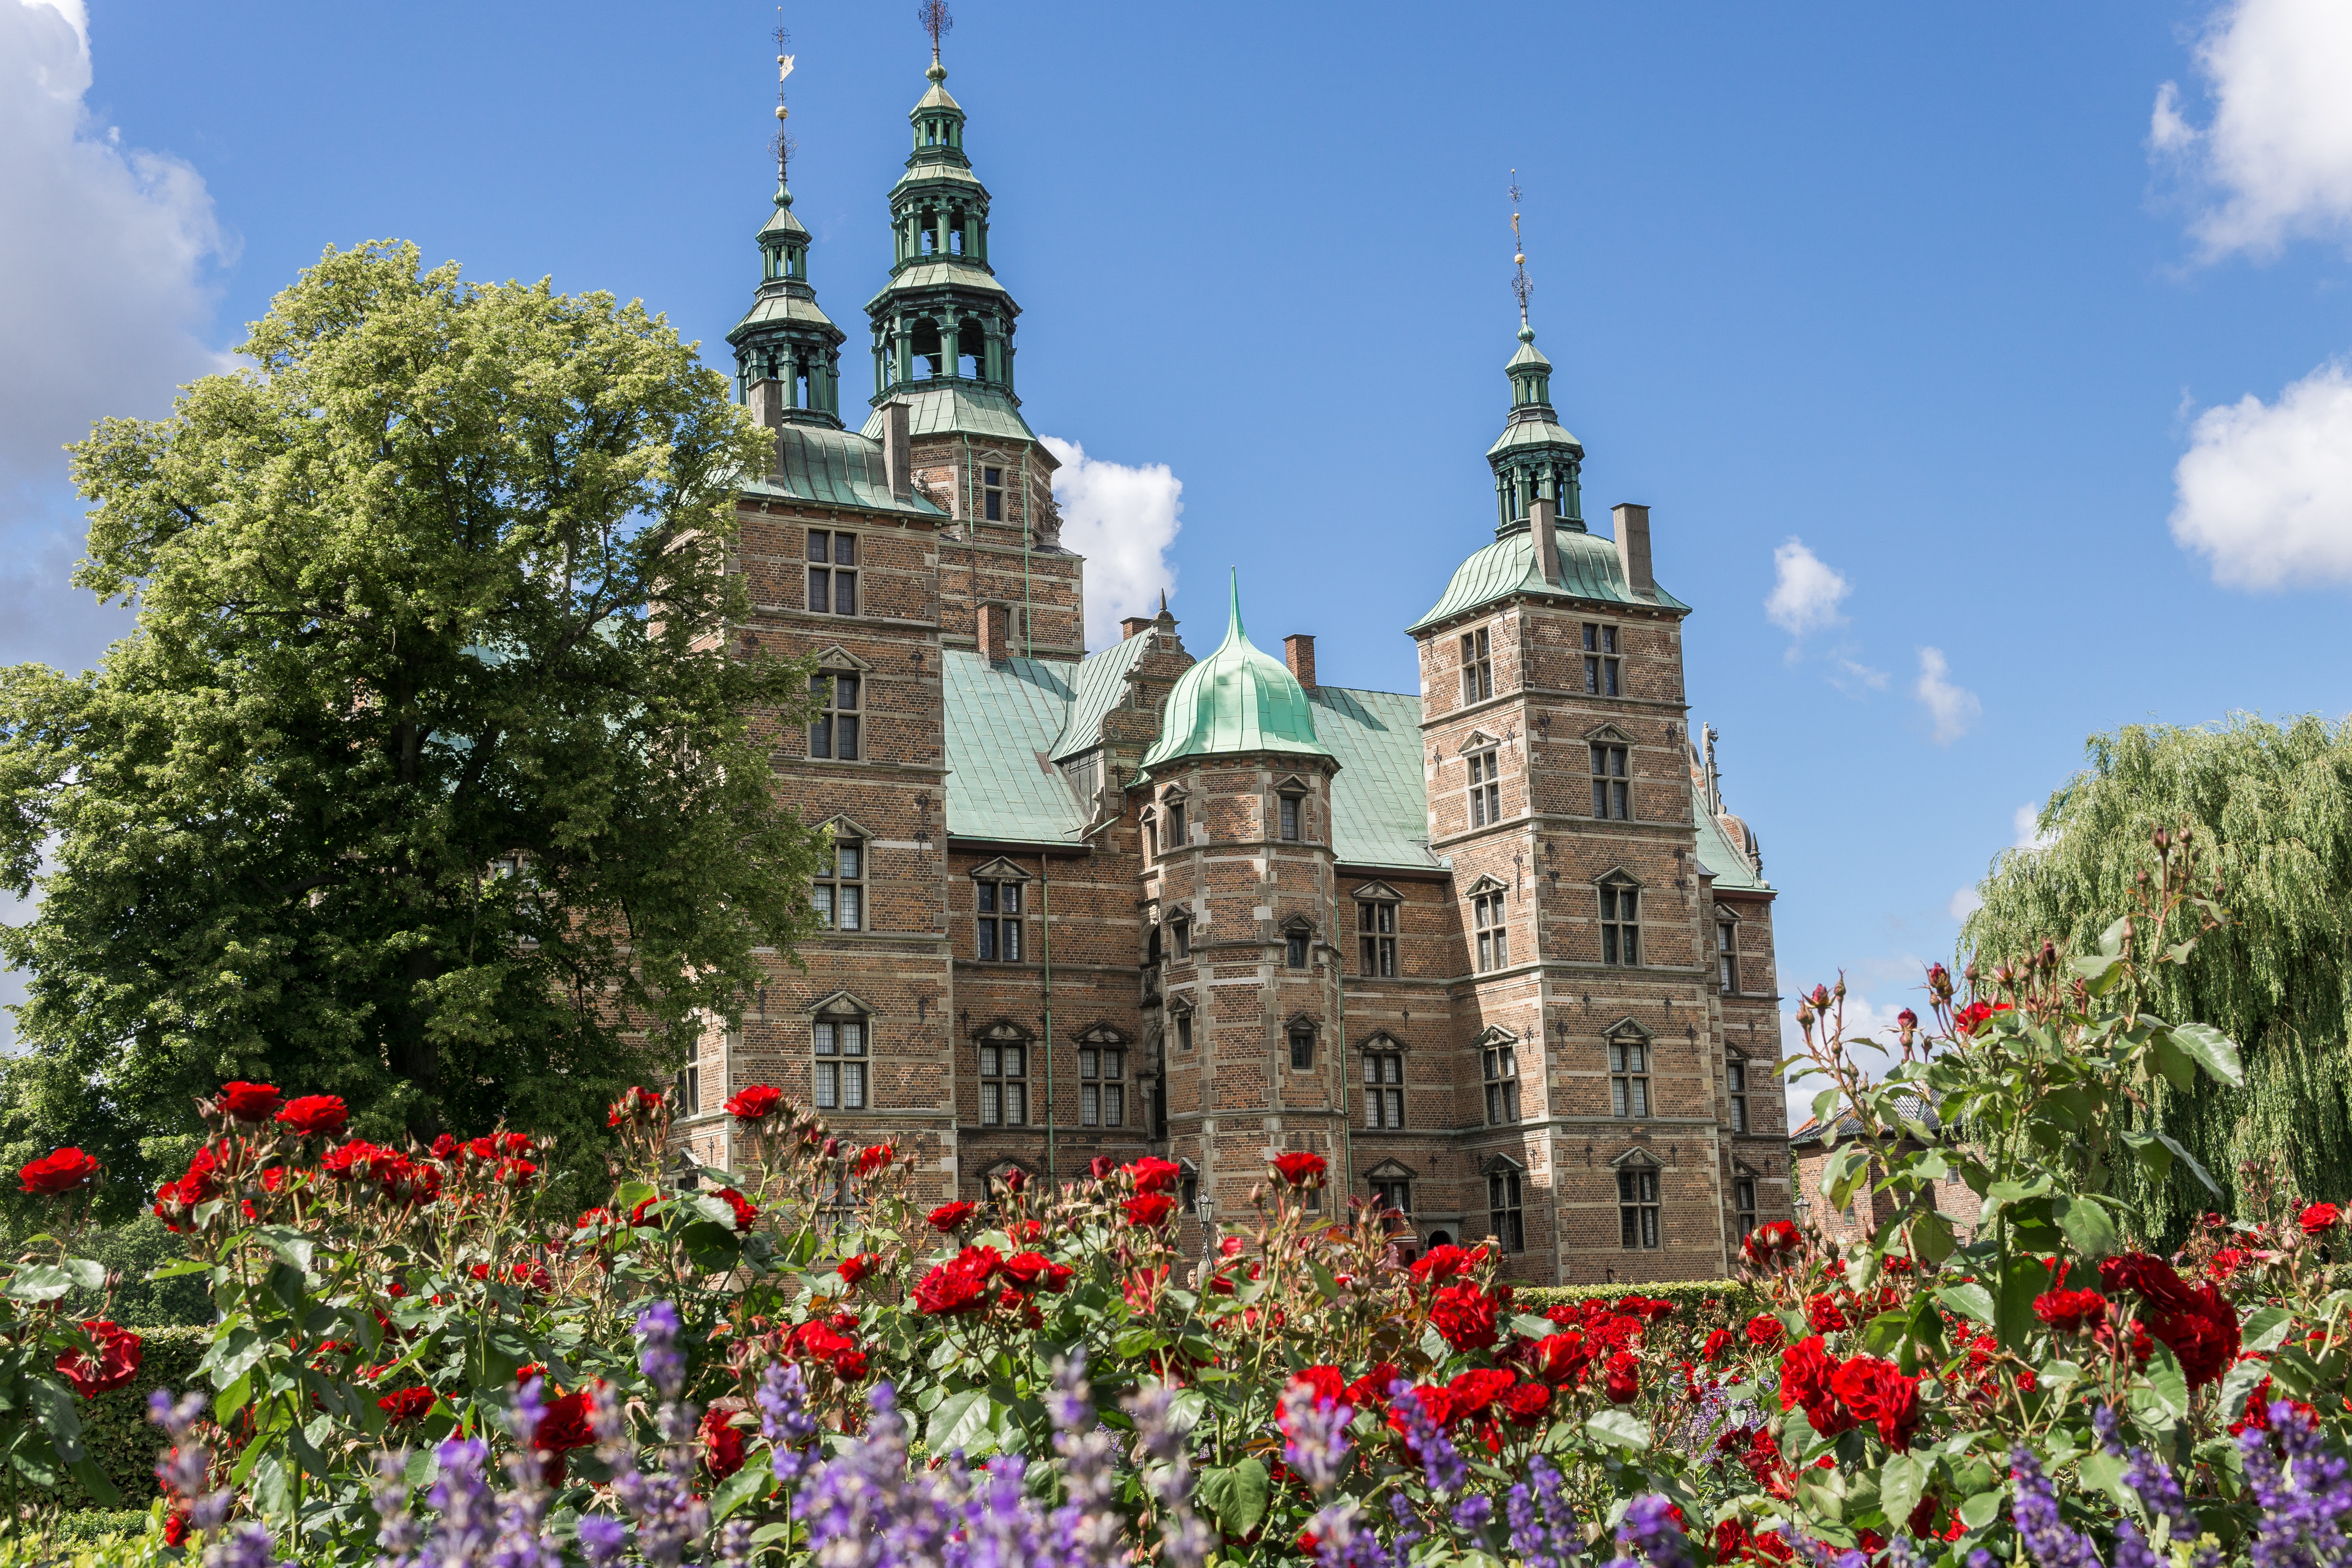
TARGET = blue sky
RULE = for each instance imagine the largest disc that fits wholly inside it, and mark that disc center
(1930, 328)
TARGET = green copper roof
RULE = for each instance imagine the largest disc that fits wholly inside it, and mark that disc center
(1101, 681)
(833, 467)
(1531, 434)
(1717, 855)
(776, 305)
(947, 406)
(1379, 800)
(1588, 566)
(1236, 699)
(1002, 719)
(941, 272)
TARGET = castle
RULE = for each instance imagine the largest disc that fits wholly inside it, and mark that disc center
(1494, 948)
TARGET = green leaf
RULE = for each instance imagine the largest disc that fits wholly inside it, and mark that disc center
(2111, 940)
(2267, 1328)
(1619, 1430)
(2086, 1224)
(87, 1272)
(2105, 1471)
(752, 1481)
(39, 1282)
(2214, 1051)
(2179, 1069)
(95, 1482)
(1968, 1300)
(2166, 1391)
(1527, 1326)
(960, 1420)
(2185, 1158)
(292, 1246)
(1246, 1497)
(1902, 1483)
(53, 1407)
(183, 1266)
(2240, 1380)
(1982, 1509)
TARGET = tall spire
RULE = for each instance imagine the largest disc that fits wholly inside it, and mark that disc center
(787, 352)
(1519, 284)
(1535, 457)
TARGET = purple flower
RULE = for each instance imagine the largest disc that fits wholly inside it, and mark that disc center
(657, 1355)
(2302, 1490)
(1441, 1462)
(1317, 1441)
(522, 1540)
(1544, 1528)
(1649, 1531)
(395, 1528)
(465, 1522)
(185, 1469)
(735, 1545)
(248, 1548)
(1085, 1528)
(1344, 1539)
(602, 1539)
(2038, 1525)
(1184, 1540)
(782, 1398)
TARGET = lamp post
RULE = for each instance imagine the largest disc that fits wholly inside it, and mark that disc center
(1202, 1208)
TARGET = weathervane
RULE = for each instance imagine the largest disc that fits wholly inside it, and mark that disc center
(1519, 284)
(783, 147)
(933, 15)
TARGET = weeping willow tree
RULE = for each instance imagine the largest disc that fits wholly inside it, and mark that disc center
(2272, 810)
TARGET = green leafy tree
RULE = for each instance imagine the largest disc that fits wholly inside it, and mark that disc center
(429, 776)
(2270, 810)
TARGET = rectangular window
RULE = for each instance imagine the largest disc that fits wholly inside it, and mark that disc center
(1102, 1095)
(1392, 1197)
(1183, 1031)
(840, 1064)
(1611, 797)
(1176, 824)
(1621, 931)
(1290, 818)
(1743, 1203)
(1150, 840)
(690, 1089)
(1000, 923)
(1384, 1090)
(1600, 660)
(1629, 1078)
(992, 494)
(1180, 933)
(1293, 950)
(1376, 937)
(1637, 1209)
(1302, 1051)
(1003, 1083)
(832, 572)
(1735, 1073)
(1502, 1066)
(838, 891)
(1478, 668)
(833, 731)
(1727, 957)
(1503, 1214)
(1494, 942)
(1486, 793)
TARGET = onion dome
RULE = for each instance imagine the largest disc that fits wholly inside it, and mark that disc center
(1239, 698)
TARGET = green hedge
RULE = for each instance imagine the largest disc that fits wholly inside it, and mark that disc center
(1710, 1304)
(115, 1426)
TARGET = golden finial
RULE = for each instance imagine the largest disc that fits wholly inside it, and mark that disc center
(1519, 284)
(784, 144)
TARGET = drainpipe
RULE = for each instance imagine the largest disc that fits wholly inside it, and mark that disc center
(1045, 913)
(1028, 531)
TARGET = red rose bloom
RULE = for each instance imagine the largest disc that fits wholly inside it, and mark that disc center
(2319, 1219)
(1464, 1316)
(60, 1170)
(1623, 1379)
(249, 1102)
(948, 1216)
(1472, 1392)
(1967, 1019)
(1440, 1264)
(1150, 1208)
(876, 1157)
(1152, 1175)
(1035, 1271)
(315, 1115)
(1766, 1243)
(1526, 1404)
(1874, 1391)
(1825, 1316)
(2203, 1335)
(1101, 1167)
(1370, 1392)
(746, 1211)
(1764, 1331)
(1560, 1359)
(1435, 1403)
(564, 1428)
(856, 1268)
(958, 1286)
(1325, 1382)
(116, 1363)
(1805, 1372)
(405, 1405)
(756, 1103)
(635, 1104)
(638, 1215)
(2146, 1276)
(1300, 1168)
(2071, 1311)
(722, 1445)
(1717, 1343)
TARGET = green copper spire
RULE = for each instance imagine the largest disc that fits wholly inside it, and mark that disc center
(1534, 457)
(784, 338)
(1236, 699)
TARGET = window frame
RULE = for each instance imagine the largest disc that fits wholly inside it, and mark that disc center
(1641, 1226)
(1382, 1080)
(992, 494)
(842, 1040)
(1291, 817)
(831, 890)
(1485, 785)
(990, 1052)
(1376, 937)
(1491, 927)
(690, 1087)
(1183, 1033)
(1393, 1196)
(1630, 1086)
(1734, 1079)
(1477, 662)
(1297, 947)
(1743, 1200)
(1506, 1207)
(828, 574)
(992, 922)
(1619, 904)
(837, 733)
(1613, 781)
(1726, 954)
(1603, 672)
(1302, 1036)
(1102, 1094)
(1498, 1062)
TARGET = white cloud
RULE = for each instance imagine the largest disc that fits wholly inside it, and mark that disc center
(1805, 591)
(2278, 159)
(1851, 674)
(2027, 835)
(102, 258)
(2265, 489)
(1952, 708)
(1965, 902)
(1122, 520)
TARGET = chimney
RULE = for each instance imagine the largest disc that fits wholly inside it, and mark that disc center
(1633, 521)
(766, 401)
(897, 455)
(995, 625)
(1298, 653)
(1547, 540)
(1134, 626)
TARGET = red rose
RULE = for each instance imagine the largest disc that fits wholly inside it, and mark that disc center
(1717, 1343)
(637, 1216)
(1464, 1316)
(948, 1216)
(2071, 1311)
(116, 1363)
(1766, 1243)
(635, 1104)
(1035, 1271)
(1472, 1392)
(516, 1173)
(1300, 1170)
(248, 1101)
(756, 1103)
(1805, 1372)
(1101, 1167)
(746, 1211)
(1150, 1208)
(347, 1161)
(2203, 1335)
(1370, 1392)
(1323, 1382)
(315, 1115)
(58, 1172)
(1968, 1019)
(1435, 1403)
(722, 1445)
(2319, 1219)
(565, 1426)
(1623, 1379)
(405, 1405)
(853, 1268)
(1876, 1392)
(1560, 1359)
(2148, 1277)
(876, 1157)
(1440, 1264)
(177, 1526)
(1824, 1314)
(958, 1286)
(1764, 1331)
(1153, 1175)
(1527, 1403)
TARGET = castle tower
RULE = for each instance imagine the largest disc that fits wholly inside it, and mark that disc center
(1238, 881)
(787, 351)
(943, 347)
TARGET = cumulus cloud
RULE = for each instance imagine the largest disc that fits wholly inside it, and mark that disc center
(1122, 520)
(2265, 491)
(1965, 902)
(2029, 836)
(2275, 161)
(1805, 591)
(1951, 708)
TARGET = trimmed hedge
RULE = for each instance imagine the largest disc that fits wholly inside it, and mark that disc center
(115, 1426)
(1710, 1304)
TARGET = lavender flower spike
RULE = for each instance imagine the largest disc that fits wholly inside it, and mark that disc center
(186, 1470)
(782, 1398)
(2304, 1490)
(1085, 1528)
(658, 1354)
(1314, 1430)
(395, 1531)
(466, 1521)
(1441, 1462)
(1184, 1540)
(1649, 1529)
(1544, 1529)
(2046, 1536)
